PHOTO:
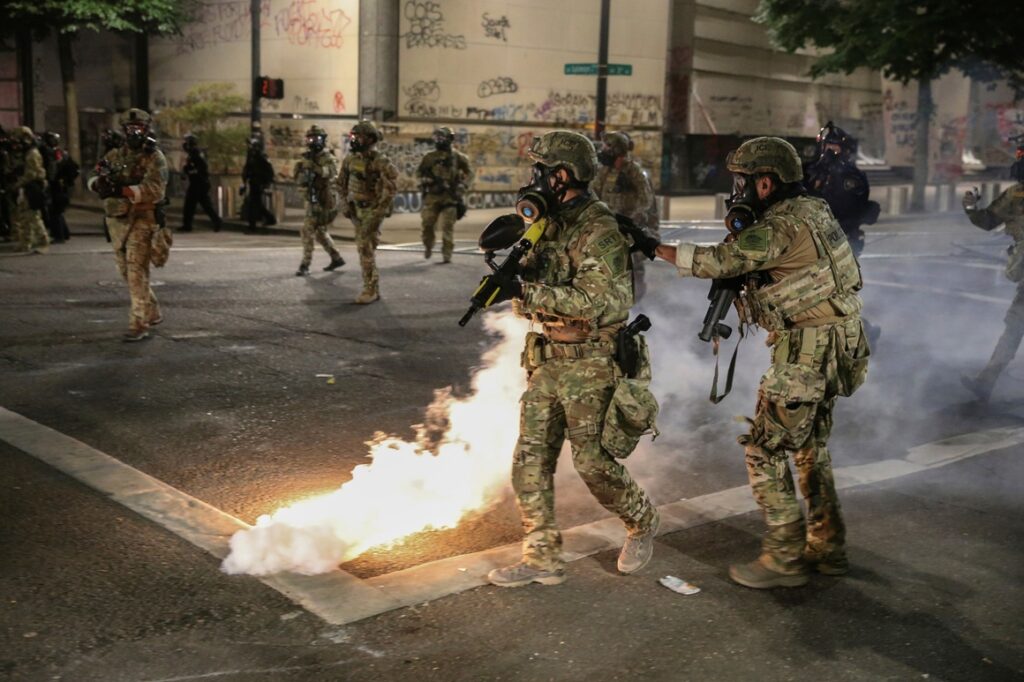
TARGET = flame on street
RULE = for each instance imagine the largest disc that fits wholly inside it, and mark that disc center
(409, 486)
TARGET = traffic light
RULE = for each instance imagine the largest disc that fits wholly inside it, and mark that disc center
(270, 88)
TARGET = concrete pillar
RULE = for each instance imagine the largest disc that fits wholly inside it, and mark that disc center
(678, 86)
(378, 59)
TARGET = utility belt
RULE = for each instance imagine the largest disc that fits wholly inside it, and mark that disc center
(539, 349)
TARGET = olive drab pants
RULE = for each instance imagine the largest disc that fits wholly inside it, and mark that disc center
(438, 215)
(131, 237)
(28, 228)
(794, 415)
(568, 398)
(315, 229)
(367, 225)
(1009, 341)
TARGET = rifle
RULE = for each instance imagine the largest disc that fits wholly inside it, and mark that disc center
(310, 178)
(627, 355)
(105, 183)
(503, 232)
(722, 295)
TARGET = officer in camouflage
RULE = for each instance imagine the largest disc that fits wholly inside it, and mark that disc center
(622, 184)
(1008, 209)
(802, 287)
(577, 284)
(132, 181)
(444, 176)
(315, 172)
(30, 189)
(367, 185)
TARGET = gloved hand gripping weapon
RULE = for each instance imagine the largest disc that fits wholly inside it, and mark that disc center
(503, 232)
(309, 179)
(106, 184)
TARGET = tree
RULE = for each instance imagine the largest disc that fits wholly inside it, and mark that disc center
(906, 40)
(69, 17)
(205, 107)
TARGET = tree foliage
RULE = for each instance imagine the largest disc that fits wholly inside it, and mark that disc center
(72, 16)
(203, 113)
(906, 40)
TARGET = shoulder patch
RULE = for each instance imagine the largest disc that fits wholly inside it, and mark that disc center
(754, 239)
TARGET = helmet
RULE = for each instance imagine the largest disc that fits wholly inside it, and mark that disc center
(316, 138)
(363, 136)
(51, 139)
(136, 117)
(833, 134)
(618, 143)
(566, 148)
(190, 141)
(767, 155)
(23, 136)
(443, 138)
(111, 139)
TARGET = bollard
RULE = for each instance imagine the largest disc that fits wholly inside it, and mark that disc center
(277, 205)
(720, 198)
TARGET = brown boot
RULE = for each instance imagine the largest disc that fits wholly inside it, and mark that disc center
(518, 575)
(760, 576)
(368, 296)
(832, 563)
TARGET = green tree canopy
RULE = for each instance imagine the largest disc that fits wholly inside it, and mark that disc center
(71, 16)
(907, 40)
(205, 114)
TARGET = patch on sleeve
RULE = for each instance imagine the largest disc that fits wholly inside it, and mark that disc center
(754, 240)
(606, 243)
(615, 261)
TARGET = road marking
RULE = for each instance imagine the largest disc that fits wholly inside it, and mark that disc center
(939, 290)
(339, 597)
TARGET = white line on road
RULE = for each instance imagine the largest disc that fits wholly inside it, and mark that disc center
(340, 598)
(939, 290)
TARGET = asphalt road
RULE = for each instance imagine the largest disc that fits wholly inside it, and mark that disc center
(225, 405)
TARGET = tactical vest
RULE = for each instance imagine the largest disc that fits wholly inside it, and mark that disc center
(363, 177)
(835, 277)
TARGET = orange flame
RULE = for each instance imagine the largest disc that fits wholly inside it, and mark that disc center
(407, 488)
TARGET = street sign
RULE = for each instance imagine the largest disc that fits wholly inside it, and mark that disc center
(591, 69)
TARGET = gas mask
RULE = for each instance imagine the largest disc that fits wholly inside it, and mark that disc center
(442, 143)
(359, 143)
(135, 136)
(315, 143)
(542, 196)
(607, 157)
(743, 206)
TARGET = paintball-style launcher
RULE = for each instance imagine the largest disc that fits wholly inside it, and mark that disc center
(503, 232)
(106, 184)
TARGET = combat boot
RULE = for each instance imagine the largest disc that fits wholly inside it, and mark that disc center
(518, 575)
(303, 271)
(639, 548)
(335, 264)
(133, 335)
(368, 296)
(832, 563)
(427, 251)
(760, 576)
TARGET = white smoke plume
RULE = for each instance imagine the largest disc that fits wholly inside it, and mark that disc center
(408, 486)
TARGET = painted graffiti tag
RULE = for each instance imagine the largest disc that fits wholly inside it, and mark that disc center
(495, 28)
(497, 86)
(309, 22)
(426, 27)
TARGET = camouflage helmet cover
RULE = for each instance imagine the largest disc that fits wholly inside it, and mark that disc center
(767, 155)
(317, 131)
(444, 133)
(137, 116)
(24, 135)
(565, 148)
(617, 143)
(366, 128)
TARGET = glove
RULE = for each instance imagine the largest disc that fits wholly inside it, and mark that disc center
(970, 200)
(646, 244)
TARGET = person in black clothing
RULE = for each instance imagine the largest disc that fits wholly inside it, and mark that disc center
(6, 187)
(258, 176)
(198, 192)
(834, 177)
(61, 172)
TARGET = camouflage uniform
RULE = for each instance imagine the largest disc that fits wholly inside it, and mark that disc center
(1008, 208)
(367, 185)
(30, 188)
(810, 307)
(132, 222)
(322, 168)
(626, 189)
(577, 284)
(444, 176)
